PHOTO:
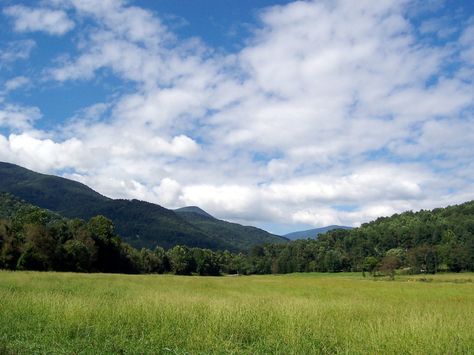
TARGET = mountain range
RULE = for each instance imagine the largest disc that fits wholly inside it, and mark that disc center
(312, 233)
(139, 223)
(230, 233)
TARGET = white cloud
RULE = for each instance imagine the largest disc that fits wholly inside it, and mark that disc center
(128, 22)
(440, 27)
(18, 117)
(16, 50)
(54, 22)
(467, 43)
(180, 146)
(130, 41)
(318, 217)
(15, 83)
(168, 192)
(324, 216)
(40, 153)
(382, 182)
(333, 113)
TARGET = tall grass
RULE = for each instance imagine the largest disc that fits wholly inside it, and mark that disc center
(65, 313)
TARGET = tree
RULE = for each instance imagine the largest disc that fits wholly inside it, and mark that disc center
(333, 261)
(181, 260)
(30, 259)
(78, 256)
(370, 264)
(150, 262)
(101, 228)
(240, 264)
(398, 253)
(11, 250)
(3, 236)
(453, 253)
(388, 265)
(162, 259)
(206, 262)
(39, 249)
(423, 258)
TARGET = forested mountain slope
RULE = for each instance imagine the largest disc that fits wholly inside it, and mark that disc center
(441, 239)
(48, 191)
(413, 242)
(243, 237)
(139, 223)
(33, 238)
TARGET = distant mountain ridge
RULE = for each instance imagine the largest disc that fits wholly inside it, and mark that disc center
(226, 231)
(139, 223)
(193, 209)
(313, 233)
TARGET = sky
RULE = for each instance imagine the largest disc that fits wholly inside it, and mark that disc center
(279, 114)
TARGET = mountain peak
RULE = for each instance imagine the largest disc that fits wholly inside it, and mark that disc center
(193, 209)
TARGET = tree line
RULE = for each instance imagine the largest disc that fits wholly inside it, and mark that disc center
(32, 238)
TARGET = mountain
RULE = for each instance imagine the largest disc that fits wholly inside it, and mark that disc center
(11, 205)
(192, 209)
(139, 223)
(243, 237)
(312, 233)
(51, 192)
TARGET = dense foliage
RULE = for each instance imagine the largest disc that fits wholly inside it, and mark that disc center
(32, 238)
(425, 241)
(139, 223)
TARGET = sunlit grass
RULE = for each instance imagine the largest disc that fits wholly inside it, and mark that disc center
(67, 313)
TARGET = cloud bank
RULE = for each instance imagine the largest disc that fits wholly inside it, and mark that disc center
(334, 112)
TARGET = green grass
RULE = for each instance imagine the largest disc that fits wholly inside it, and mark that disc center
(65, 313)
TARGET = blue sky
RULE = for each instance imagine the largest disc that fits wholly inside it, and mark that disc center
(280, 114)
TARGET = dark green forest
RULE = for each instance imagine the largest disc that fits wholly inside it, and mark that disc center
(32, 238)
(412, 242)
(139, 223)
(230, 234)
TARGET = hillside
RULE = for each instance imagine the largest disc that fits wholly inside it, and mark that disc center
(193, 209)
(410, 229)
(47, 191)
(440, 239)
(243, 237)
(12, 206)
(312, 233)
(33, 238)
(139, 223)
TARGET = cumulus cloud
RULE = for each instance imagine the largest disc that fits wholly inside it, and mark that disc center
(15, 83)
(168, 192)
(26, 19)
(18, 117)
(42, 154)
(129, 40)
(333, 113)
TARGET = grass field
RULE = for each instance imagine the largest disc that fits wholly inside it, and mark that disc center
(65, 313)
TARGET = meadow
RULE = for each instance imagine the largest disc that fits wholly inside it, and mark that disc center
(69, 313)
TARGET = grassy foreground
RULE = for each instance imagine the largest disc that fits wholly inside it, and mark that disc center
(65, 313)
